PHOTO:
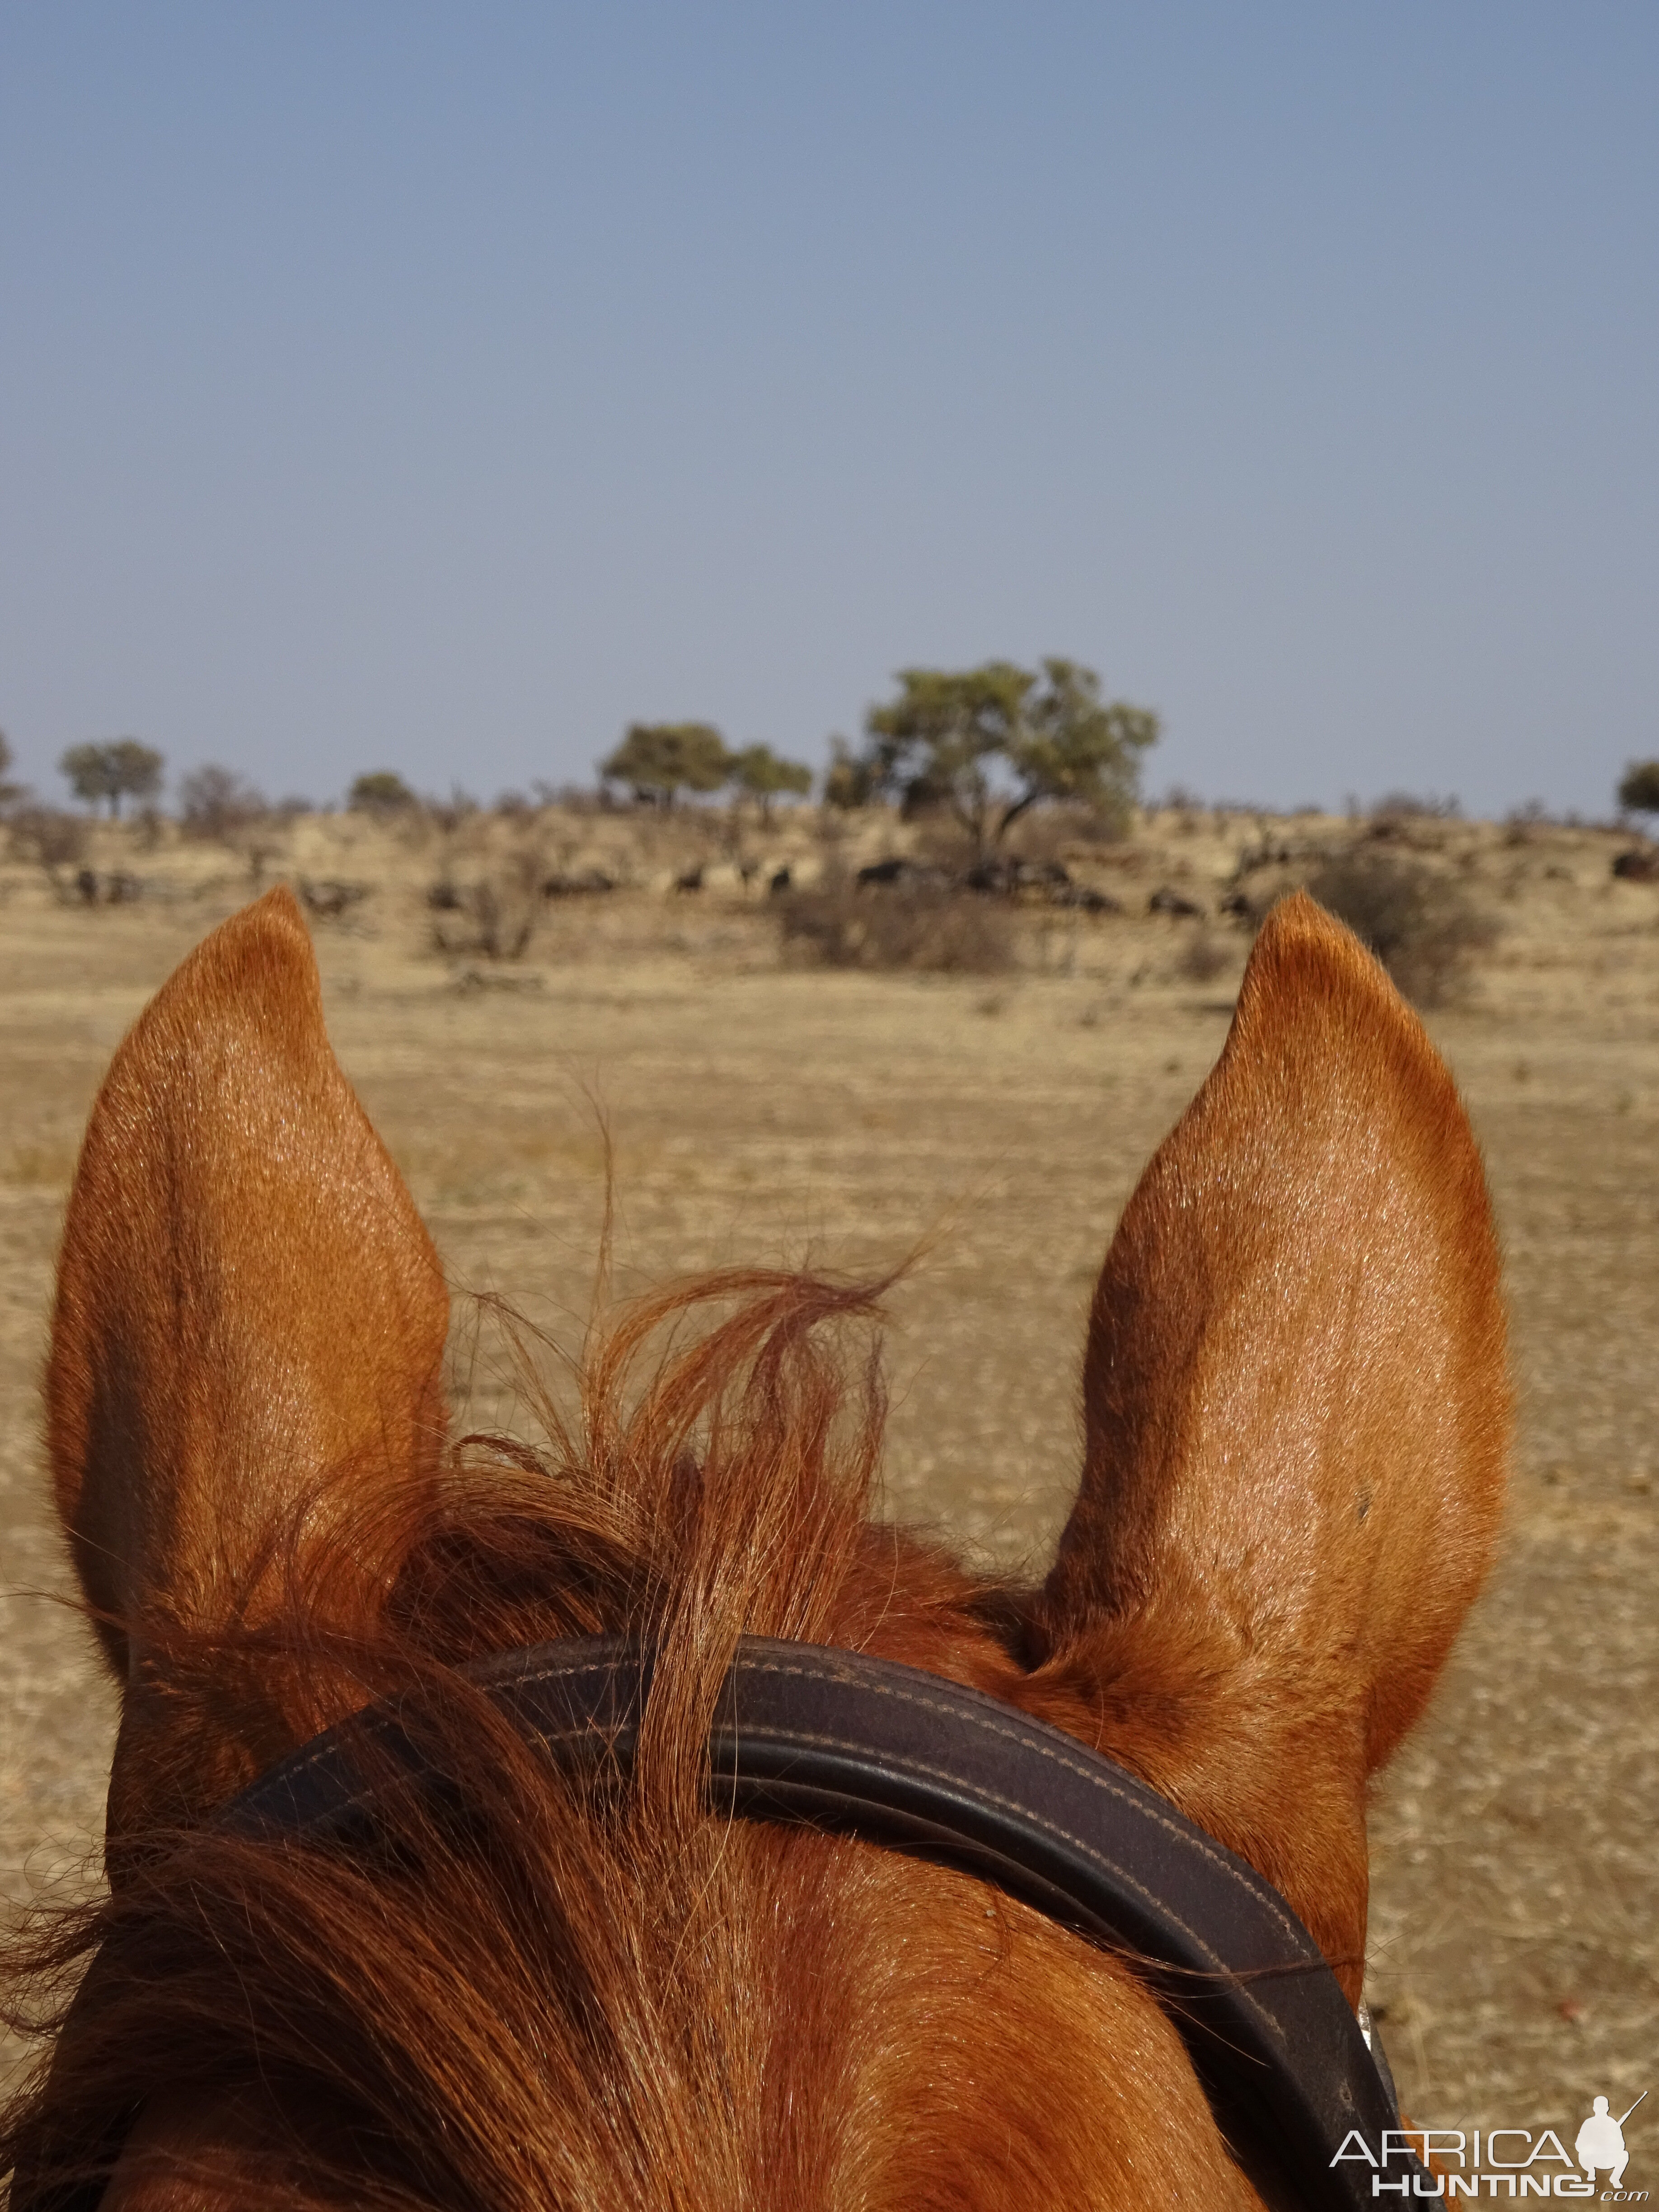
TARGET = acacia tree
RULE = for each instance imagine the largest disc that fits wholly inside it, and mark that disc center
(1074, 744)
(990, 742)
(935, 743)
(656, 760)
(121, 769)
(758, 772)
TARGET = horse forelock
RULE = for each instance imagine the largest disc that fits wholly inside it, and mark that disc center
(579, 1994)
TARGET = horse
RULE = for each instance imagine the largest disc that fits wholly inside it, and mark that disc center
(548, 1984)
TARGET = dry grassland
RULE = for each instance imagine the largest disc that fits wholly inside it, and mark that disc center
(759, 1112)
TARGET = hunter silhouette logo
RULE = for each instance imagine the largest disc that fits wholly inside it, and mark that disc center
(1600, 2142)
(1505, 2162)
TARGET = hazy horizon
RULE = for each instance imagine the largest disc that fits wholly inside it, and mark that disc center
(397, 388)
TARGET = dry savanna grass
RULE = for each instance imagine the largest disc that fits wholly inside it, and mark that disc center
(761, 1110)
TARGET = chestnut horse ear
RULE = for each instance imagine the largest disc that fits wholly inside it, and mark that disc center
(250, 1319)
(1297, 1423)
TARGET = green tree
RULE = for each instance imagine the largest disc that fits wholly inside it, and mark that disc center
(122, 769)
(381, 790)
(1639, 787)
(937, 742)
(1076, 746)
(758, 772)
(990, 742)
(657, 759)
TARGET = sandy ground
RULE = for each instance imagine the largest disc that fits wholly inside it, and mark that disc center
(764, 1114)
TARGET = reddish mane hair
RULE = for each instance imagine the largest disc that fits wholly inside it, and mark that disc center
(594, 1996)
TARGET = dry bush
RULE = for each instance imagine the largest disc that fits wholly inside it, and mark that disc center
(1418, 806)
(1527, 823)
(45, 834)
(214, 804)
(661, 841)
(1047, 833)
(116, 887)
(1421, 926)
(578, 799)
(1203, 957)
(453, 813)
(1043, 835)
(938, 842)
(331, 899)
(922, 928)
(493, 916)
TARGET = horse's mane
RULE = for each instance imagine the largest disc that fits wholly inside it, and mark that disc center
(537, 2003)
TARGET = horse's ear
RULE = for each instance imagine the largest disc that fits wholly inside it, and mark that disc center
(1297, 1422)
(250, 1319)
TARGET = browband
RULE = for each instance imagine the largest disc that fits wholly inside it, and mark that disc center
(836, 1740)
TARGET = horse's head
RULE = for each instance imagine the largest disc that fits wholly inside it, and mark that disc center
(1295, 1424)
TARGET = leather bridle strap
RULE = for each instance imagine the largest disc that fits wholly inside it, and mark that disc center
(835, 1740)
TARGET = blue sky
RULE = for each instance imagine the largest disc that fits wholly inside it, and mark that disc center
(441, 388)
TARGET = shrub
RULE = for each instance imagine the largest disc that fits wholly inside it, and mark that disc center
(495, 915)
(1203, 957)
(920, 927)
(45, 834)
(214, 804)
(450, 814)
(1639, 787)
(330, 899)
(1417, 806)
(1421, 926)
(574, 798)
(1526, 823)
(382, 792)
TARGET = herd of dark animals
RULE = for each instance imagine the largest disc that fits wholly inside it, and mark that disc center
(1010, 877)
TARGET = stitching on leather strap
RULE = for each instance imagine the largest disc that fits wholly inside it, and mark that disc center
(1189, 1838)
(1186, 1835)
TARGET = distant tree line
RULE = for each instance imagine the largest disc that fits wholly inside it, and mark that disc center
(982, 746)
(658, 760)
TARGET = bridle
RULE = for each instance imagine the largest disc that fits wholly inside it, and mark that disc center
(808, 1734)
(831, 1739)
